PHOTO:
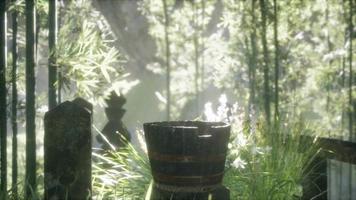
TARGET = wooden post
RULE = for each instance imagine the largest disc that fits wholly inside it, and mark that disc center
(67, 151)
(3, 94)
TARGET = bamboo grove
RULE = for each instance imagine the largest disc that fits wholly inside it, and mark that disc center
(12, 7)
(279, 58)
(33, 35)
(265, 40)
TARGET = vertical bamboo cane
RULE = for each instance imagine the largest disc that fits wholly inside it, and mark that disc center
(351, 83)
(265, 62)
(202, 76)
(30, 99)
(196, 57)
(52, 41)
(352, 136)
(276, 62)
(3, 94)
(168, 57)
(252, 67)
(14, 102)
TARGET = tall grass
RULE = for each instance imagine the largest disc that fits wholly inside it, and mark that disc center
(121, 174)
(20, 194)
(265, 163)
(273, 162)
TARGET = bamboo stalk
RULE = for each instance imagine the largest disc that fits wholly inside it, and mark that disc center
(352, 136)
(60, 10)
(265, 63)
(252, 67)
(344, 108)
(276, 62)
(202, 77)
(3, 94)
(196, 57)
(30, 99)
(329, 50)
(14, 102)
(168, 64)
(52, 41)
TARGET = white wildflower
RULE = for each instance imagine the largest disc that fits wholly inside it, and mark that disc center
(260, 150)
(239, 163)
(257, 150)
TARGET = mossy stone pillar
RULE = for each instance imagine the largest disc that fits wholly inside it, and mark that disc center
(67, 151)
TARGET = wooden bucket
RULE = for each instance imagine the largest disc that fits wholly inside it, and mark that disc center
(187, 156)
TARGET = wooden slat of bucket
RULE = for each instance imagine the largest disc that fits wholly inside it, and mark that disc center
(187, 158)
(189, 180)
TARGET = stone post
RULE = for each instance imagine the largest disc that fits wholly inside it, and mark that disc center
(67, 151)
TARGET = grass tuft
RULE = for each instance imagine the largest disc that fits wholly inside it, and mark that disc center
(123, 174)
